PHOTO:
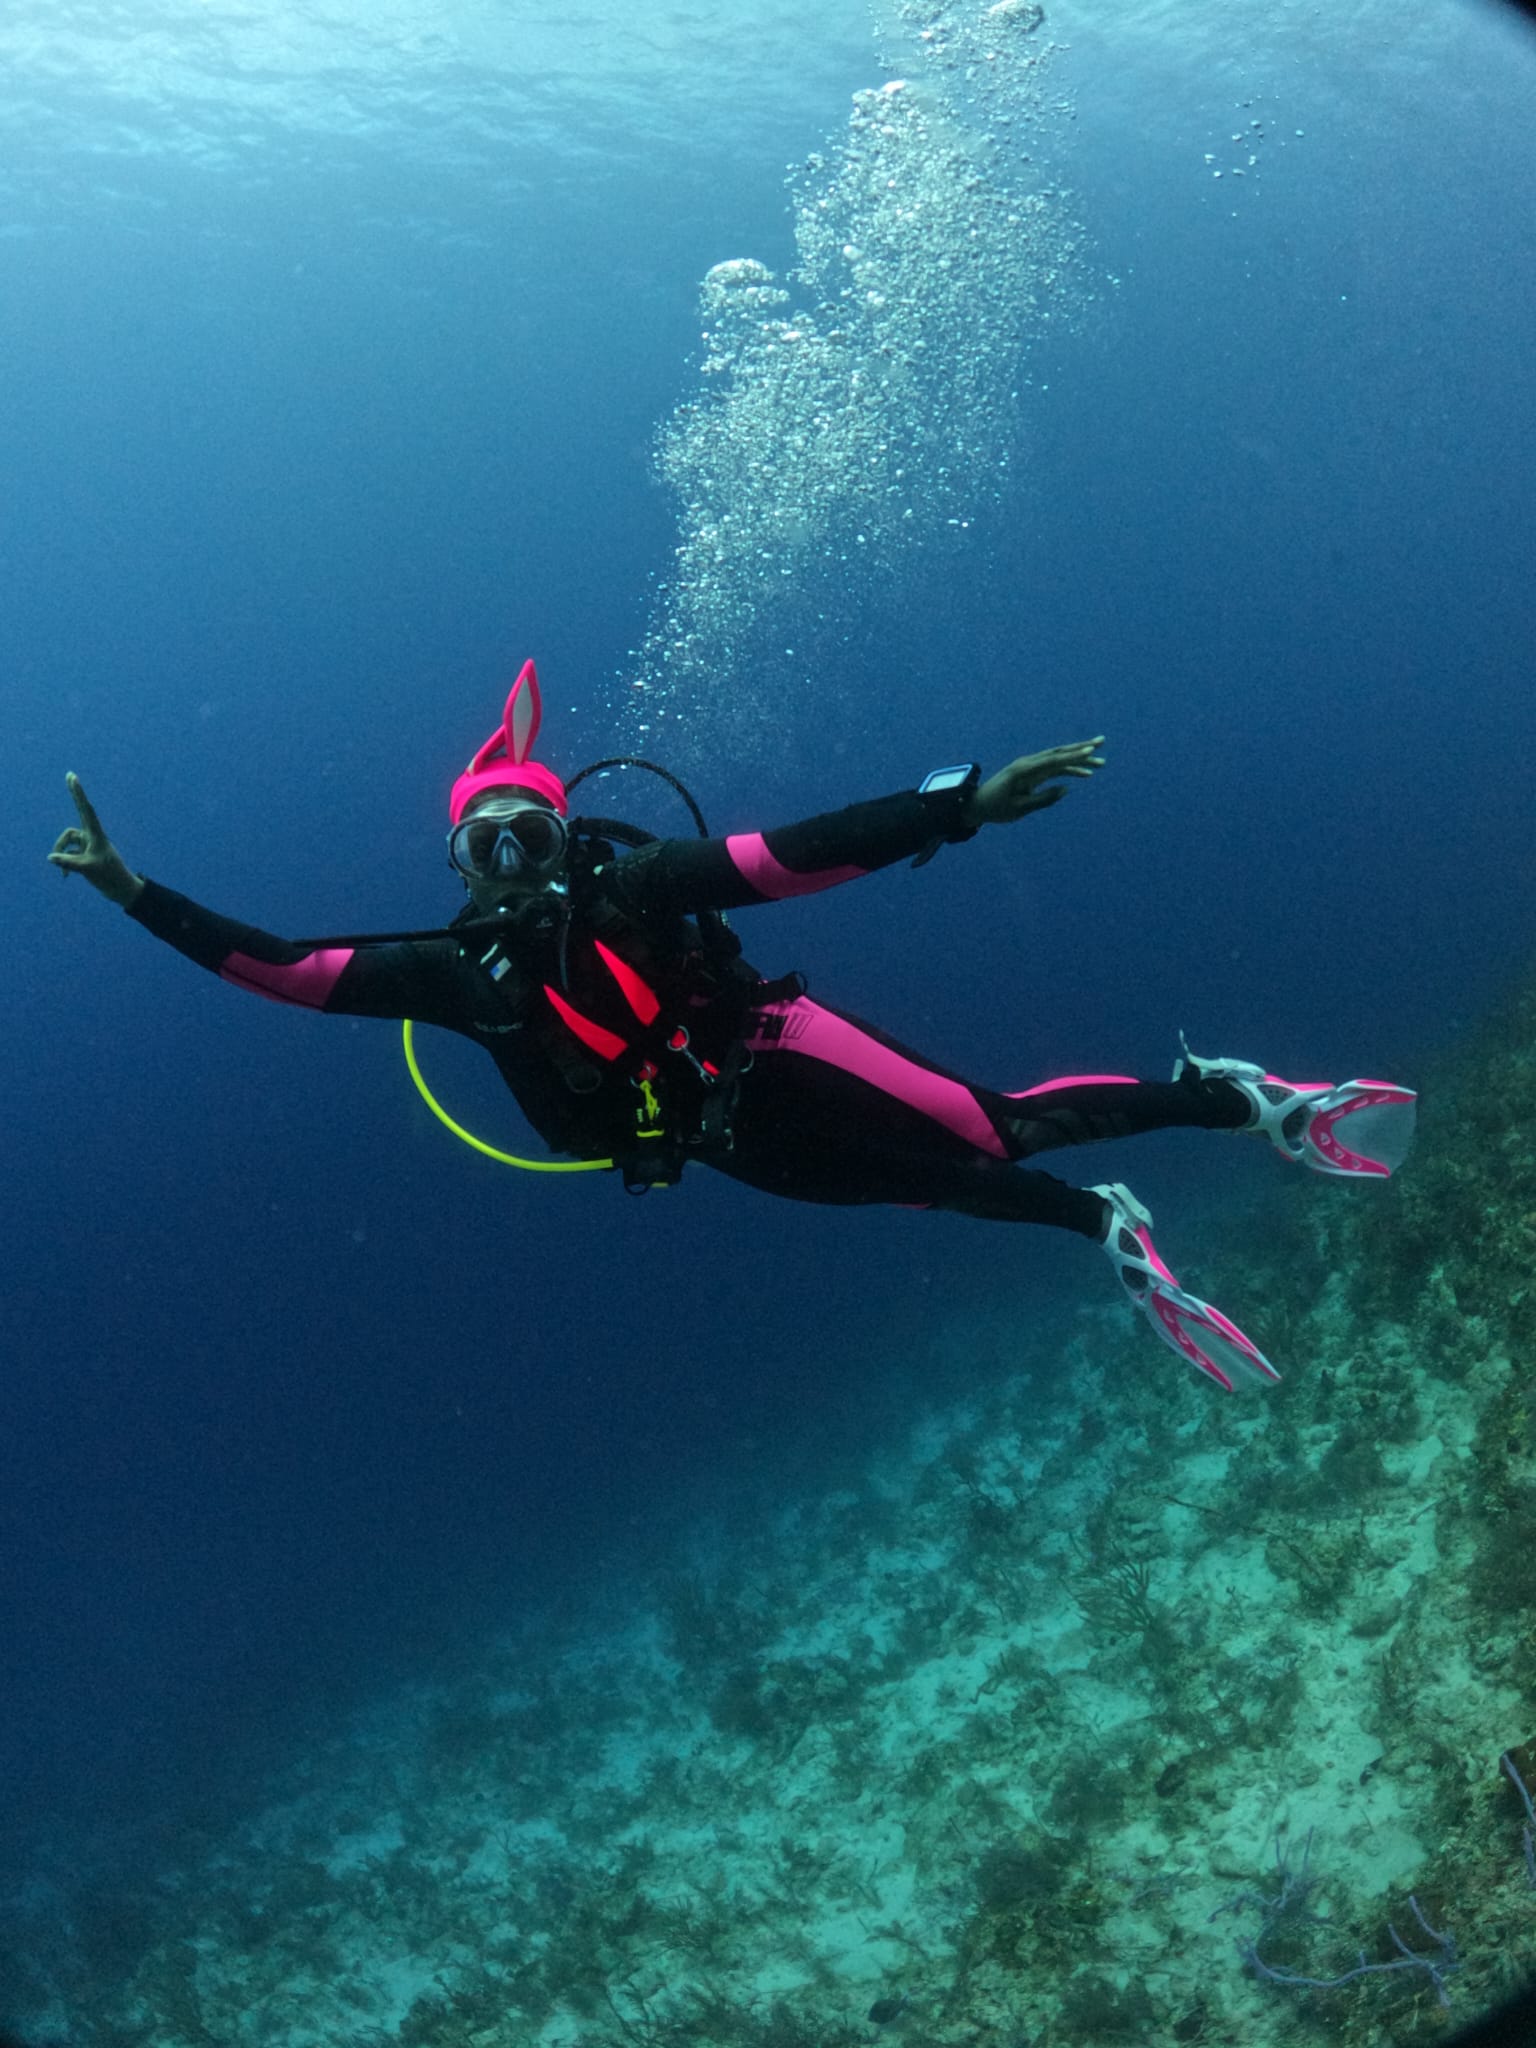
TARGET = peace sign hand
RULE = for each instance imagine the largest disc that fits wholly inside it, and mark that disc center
(85, 849)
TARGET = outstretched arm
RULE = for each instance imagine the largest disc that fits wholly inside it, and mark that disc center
(407, 980)
(676, 876)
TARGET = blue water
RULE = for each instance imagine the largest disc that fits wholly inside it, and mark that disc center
(334, 355)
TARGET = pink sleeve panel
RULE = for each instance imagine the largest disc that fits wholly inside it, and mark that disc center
(770, 878)
(308, 982)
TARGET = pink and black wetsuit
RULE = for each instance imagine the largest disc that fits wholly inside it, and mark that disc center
(824, 1107)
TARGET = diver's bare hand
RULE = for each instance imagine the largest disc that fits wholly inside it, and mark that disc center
(1032, 783)
(86, 850)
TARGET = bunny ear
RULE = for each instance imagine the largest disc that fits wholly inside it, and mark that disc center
(521, 717)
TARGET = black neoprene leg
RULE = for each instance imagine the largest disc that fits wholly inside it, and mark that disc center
(817, 1133)
(1090, 1112)
(812, 1162)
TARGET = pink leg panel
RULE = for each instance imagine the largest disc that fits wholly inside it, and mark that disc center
(804, 1027)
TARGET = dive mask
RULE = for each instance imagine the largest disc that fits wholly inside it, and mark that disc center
(521, 845)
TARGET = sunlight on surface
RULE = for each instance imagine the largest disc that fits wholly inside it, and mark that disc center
(181, 70)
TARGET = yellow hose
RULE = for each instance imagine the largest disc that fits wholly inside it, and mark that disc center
(479, 1144)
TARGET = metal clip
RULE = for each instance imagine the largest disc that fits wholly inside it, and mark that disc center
(678, 1042)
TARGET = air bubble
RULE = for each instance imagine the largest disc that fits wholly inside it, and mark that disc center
(864, 405)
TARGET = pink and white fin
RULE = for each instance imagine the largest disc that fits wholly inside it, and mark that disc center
(1361, 1129)
(1201, 1334)
(1358, 1130)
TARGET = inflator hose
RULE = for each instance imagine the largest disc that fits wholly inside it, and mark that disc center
(479, 1144)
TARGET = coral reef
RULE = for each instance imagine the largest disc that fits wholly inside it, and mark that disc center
(1107, 1710)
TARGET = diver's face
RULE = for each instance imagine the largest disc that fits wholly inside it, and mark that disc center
(503, 869)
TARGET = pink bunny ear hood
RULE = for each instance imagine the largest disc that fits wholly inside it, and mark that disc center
(503, 761)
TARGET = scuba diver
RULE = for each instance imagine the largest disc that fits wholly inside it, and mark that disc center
(594, 963)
